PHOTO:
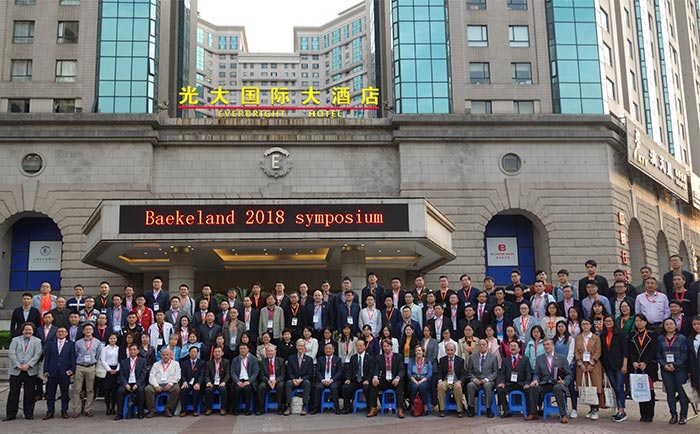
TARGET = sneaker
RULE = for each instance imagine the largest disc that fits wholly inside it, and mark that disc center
(594, 415)
(620, 417)
(588, 415)
(573, 414)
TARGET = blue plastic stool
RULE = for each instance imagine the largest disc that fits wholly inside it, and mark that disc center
(326, 404)
(481, 407)
(190, 404)
(161, 401)
(357, 403)
(125, 410)
(299, 391)
(216, 401)
(241, 405)
(450, 405)
(520, 406)
(269, 403)
(549, 409)
(387, 405)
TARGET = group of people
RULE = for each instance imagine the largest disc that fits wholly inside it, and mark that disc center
(431, 348)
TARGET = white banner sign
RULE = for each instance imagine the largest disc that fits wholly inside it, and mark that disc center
(502, 251)
(44, 256)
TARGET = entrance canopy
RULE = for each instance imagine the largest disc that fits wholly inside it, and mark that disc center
(133, 236)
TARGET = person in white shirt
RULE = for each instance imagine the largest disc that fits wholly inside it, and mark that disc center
(160, 331)
(109, 358)
(164, 377)
(447, 339)
(371, 315)
(540, 300)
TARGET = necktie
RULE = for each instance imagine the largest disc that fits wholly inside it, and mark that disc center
(60, 347)
(481, 362)
(359, 374)
(193, 364)
(272, 367)
(450, 367)
(328, 365)
(514, 359)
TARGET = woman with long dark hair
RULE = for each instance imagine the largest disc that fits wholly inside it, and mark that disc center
(614, 358)
(564, 346)
(641, 359)
(672, 355)
(109, 358)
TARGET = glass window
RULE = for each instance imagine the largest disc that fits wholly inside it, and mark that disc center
(523, 107)
(357, 50)
(337, 58)
(25, 2)
(233, 44)
(604, 21)
(69, 2)
(63, 105)
(21, 70)
(335, 37)
(210, 40)
(519, 36)
(479, 73)
(23, 32)
(200, 36)
(627, 17)
(477, 36)
(481, 107)
(18, 105)
(356, 26)
(68, 32)
(517, 5)
(610, 87)
(304, 43)
(630, 49)
(222, 42)
(607, 54)
(521, 72)
(66, 71)
(475, 5)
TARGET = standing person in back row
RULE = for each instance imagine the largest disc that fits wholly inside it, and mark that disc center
(676, 264)
(602, 282)
(158, 299)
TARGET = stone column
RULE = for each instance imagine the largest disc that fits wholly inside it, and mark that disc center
(181, 269)
(352, 264)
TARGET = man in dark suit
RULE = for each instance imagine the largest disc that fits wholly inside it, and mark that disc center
(619, 295)
(439, 323)
(212, 304)
(295, 316)
(158, 299)
(60, 313)
(272, 376)
(358, 375)
(318, 315)
(217, 375)
(373, 288)
(470, 320)
(191, 381)
(349, 313)
(551, 374)
(59, 365)
(515, 374)
(390, 375)
(329, 375)
(251, 319)
(133, 377)
(481, 375)
(568, 302)
(452, 375)
(390, 315)
(244, 375)
(24, 313)
(455, 312)
(405, 321)
(300, 368)
(207, 333)
(397, 294)
(47, 332)
(116, 314)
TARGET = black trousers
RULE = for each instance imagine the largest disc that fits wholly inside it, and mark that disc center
(52, 384)
(223, 396)
(184, 393)
(318, 391)
(384, 385)
(16, 383)
(264, 388)
(348, 392)
(139, 399)
(503, 392)
(244, 393)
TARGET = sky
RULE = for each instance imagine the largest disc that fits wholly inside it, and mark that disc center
(269, 24)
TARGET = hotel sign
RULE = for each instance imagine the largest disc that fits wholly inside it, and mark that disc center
(657, 163)
(140, 219)
(695, 190)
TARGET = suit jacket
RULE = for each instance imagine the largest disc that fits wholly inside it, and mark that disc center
(170, 319)
(467, 297)
(18, 320)
(60, 317)
(30, 355)
(326, 320)
(277, 322)
(213, 304)
(240, 329)
(187, 373)
(522, 368)
(488, 371)
(369, 367)
(476, 325)
(103, 304)
(398, 328)
(456, 332)
(46, 338)
(253, 369)
(163, 300)
(122, 321)
(254, 323)
(207, 336)
(300, 316)
(693, 363)
(542, 373)
(390, 318)
(398, 369)
(431, 351)
(343, 316)
(446, 324)
(56, 365)
(336, 366)
(460, 372)
(140, 371)
(224, 371)
(378, 293)
(36, 302)
(294, 371)
(279, 370)
(577, 305)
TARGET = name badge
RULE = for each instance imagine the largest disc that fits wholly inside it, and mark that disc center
(450, 379)
(103, 310)
(163, 378)
(388, 376)
(294, 322)
(317, 318)
(217, 380)
(586, 356)
(514, 377)
(405, 360)
(160, 341)
(670, 358)
(247, 326)
(273, 377)
(420, 305)
(269, 324)
(350, 320)
(233, 340)
(156, 307)
(87, 359)
(191, 381)
(328, 376)
(347, 359)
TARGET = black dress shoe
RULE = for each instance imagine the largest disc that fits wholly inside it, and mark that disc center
(489, 413)
(470, 412)
(682, 421)
(258, 412)
(118, 417)
(7, 419)
(313, 411)
(29, 417)
(674, 419)
(506, 414)
(346, 410)
(337, 411)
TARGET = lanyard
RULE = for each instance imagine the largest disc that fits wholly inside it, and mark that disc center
(653, 298)
(244, 363)
(294, 311)
(523, 324)
(165, 367)
(370, 314)
(388, 314)
(87, 346)
(387, 360)
(682, 296)
(669, 344)
(466, 294)
(132, 364)
(102, 333)
(641, 337)
(419, 366)
(270, 314)
(586, 341)
(515, 362)
(216, 366)
(549, 362)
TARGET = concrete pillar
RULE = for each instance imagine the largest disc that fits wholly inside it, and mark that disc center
(181, 269)
(353, 265)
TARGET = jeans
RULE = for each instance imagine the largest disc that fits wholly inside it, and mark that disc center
(572, 388)
(617, 380)
(673, 382)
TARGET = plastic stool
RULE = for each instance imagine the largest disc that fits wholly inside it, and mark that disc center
(161, 402)
(216, 401)
(357, 403)
(481, 407)
(299, 391)
(325, 404)
(387, 405)
(520, 406)
(450, 405)
(190, 404)
(125, 411)
(269, 403)
(549, 409)
(241, 405)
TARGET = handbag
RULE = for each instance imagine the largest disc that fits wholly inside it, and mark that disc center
(691, 393)
(418, 406)
(640, 387)
(100, 371)
(609, 393)
(587, 393)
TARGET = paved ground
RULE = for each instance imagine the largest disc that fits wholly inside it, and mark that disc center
(347, 424)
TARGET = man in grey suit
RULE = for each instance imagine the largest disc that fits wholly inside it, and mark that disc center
(244, 376)
(481, 375)
(25, 352)
(551, 374)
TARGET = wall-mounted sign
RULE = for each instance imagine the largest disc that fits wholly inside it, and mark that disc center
(44, 256)
(695, 190)
(502, 251)
(276, 162)
(657, 163)
(136, 219)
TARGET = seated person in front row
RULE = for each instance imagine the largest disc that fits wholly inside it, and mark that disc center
(132, 379)
(216, 377)
(358, 374)
(551, 374)
(164, 377)
(329, 375)
(300, 368)
(482, 375)
(451, 376)
(191, 380)
(389, 377)
(515, 374)
(244, 374)
(272, 376)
